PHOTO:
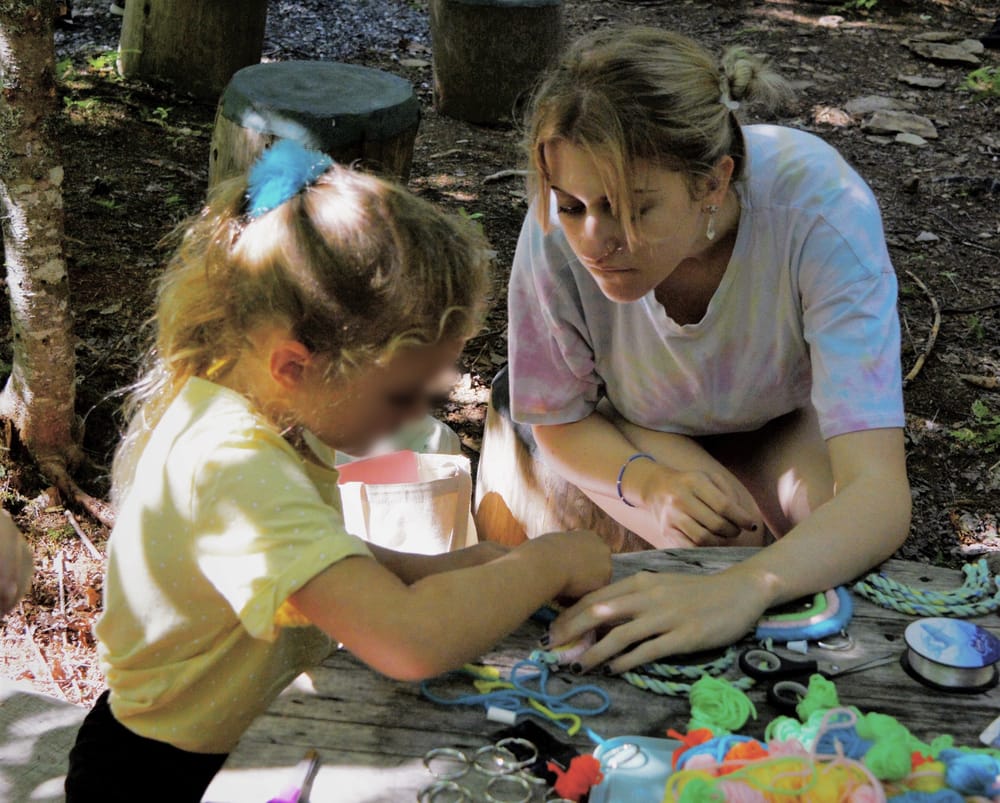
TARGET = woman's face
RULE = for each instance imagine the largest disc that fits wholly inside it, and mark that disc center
(671, 225)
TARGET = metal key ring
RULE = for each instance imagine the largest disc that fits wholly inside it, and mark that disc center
(447, 755)
(521, 788)
(516, 741)
(502, 761)
(430, 794)
(621, 755)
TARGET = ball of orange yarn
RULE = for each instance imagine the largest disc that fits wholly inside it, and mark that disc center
(583, 773)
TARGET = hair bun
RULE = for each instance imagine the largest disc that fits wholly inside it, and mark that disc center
(749, 77)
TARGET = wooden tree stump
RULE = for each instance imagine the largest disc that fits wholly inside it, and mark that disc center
(350, 112)
(193, 45)
(519, 497)
(488, 54)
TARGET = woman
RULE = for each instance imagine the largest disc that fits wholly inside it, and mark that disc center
(704, 338)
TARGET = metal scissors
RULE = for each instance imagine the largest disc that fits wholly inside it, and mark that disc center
(787, 677)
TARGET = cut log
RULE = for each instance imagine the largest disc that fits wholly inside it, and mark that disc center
(488, 54)
(352, 113)
(194, 46)
(519, 497)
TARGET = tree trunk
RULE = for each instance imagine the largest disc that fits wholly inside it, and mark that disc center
(194, 45)
(488, 54)
(38, 399)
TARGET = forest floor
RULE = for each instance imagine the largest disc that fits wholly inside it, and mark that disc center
(136, 160)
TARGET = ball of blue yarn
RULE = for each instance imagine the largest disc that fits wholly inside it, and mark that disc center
(850, 743)
(941, 796)
(971, 773)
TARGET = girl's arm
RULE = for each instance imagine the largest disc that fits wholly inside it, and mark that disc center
(684, 491)
(437, 623)
(410, 567)
(863, 524)
(16, 563)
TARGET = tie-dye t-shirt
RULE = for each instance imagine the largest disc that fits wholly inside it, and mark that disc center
(806, 311)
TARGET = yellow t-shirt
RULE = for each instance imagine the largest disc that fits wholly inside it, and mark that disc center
(222, 523)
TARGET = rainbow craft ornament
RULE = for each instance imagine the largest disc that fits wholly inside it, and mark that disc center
(824, 615)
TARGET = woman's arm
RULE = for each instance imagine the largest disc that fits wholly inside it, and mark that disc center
(684, 491)
(415, 631)
(863, 524)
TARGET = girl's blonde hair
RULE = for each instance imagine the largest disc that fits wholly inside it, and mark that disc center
(635, 94)
(356, 266)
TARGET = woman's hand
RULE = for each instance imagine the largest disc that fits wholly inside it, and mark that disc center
(16, 563)
(707, 508)
(660, 615)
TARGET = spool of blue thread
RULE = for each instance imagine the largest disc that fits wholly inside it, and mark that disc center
(951, 654)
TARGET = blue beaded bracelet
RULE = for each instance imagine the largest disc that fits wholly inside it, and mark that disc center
(621, 474)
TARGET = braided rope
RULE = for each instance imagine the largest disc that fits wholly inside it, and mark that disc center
(693, 671)
(671, 688)
(978, 595)
(671, 679)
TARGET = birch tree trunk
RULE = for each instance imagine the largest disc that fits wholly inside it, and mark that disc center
(37, 402)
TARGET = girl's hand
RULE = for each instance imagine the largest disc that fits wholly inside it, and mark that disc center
(586, 558)
(660, 615)
(706, 508)
(16, 563)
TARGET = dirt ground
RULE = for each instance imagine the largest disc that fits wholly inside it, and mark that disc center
(136, 162)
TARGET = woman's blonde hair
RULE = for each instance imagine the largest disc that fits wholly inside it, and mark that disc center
(356, 266)
(635, 94)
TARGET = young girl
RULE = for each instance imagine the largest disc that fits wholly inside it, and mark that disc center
(324, 301)
(704, 337)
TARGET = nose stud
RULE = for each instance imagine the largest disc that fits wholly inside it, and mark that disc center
(611, 251)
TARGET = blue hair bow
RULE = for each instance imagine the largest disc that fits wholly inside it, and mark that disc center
(282, 172)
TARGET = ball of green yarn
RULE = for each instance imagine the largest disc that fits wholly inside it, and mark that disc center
(821, 696)
(890, 757)
(718, 705)
(698, 790)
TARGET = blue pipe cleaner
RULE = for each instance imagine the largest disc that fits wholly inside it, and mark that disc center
(716, 747)
(282, 172)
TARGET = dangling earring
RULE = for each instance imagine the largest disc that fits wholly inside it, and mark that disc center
(712, 209)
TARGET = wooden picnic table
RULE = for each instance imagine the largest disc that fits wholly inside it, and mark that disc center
(372, 732)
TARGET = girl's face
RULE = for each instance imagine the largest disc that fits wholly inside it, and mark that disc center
(350, 413)
(671, 225)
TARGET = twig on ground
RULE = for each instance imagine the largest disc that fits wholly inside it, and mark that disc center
(965, 310)
(963, 233)
(29, 636)
(932, 337)
(93, 550)
(979, 247)
(500, 175)
(62, 592)
(957, 229)
(985, 382)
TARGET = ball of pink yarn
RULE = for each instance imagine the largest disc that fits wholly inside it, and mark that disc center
(788, 747)
(702, 761)
(866, 794)
(739, 792)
